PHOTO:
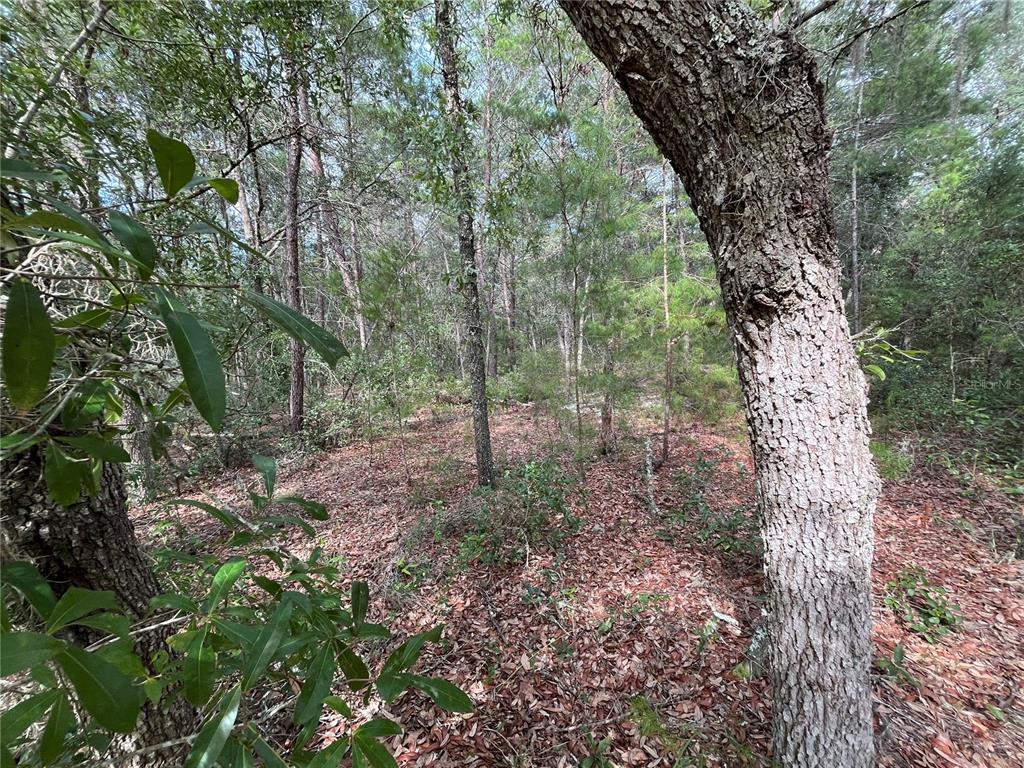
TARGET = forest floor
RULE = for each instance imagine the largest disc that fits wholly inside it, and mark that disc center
(626, 643)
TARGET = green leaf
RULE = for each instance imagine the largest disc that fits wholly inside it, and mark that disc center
(76, 603)
(198, 359)
(16, 720)
(90, 318)
(64, 475)
(299, 327)
(174, 161)
(58, 726)
(28, 345)
(111, 623)
(98, 448)
(21, 650)
(266, 753)
(19, 169)
(223, 581)
(314, 509)
(338, 705)
(317, 685)
(353, 668)
(444, 694)
(60, 222)
(360, 602)
(225, 516)
(876, 370)
(103, 690)
(329, 757)
(268, 469)
(226, 188)
(136, 239)
(200, 668)
(214, 736)
(367, 752)
(25, 577)
(263, 650)
(408, 652)
(391, 684)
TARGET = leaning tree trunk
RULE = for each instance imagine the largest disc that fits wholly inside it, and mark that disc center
(739, 112)
(91, 544)
(456, 114)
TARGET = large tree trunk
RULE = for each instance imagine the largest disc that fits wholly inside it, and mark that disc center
(91, 544)
(739, 112)
(456, 116)
(293, 162)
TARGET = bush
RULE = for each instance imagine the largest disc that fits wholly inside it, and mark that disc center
(891, 463)
(925, 608)
(528, 509)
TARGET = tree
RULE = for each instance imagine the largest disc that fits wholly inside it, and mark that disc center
(293, 165)
(455, 114)
(738, 110)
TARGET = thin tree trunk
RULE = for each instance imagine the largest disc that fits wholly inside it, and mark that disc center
(739, 112)
(355, 262)
(344, 262)
(666, 417)
(608, 402)
(293, 162)
(859, 51)
(444, 15)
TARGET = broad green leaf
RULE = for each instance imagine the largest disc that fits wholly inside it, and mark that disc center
(876, 370)
(263, 649)
(242, 635)
(98, 448)
(329, 757)
(21, 650)
(223, 580)
(214, 735)
(353, 668)
(316, 686)
(104, 691)
(19, 169)
(265, 752)
(339, 705)
(226, 188)
(199, 362)
(111, 623)
(175, 602)
(16, 720)
(444, 694)
(174, 161)
(16, 442)
(60, 723)
(360, 602)
(25, 577)
(136, 239)
(367, 752)
(314, 509)
(268, 469)
(28, 345)
(299, 327)
(64, 475)
(408, 652)
(59, 222)
(225, 516)
(89, 318)
(200, 668)
(391, 684)
(76, 603)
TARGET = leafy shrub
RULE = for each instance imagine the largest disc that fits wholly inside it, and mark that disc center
(528, 509)
(925, 608)
(240, 639)
(891, 463)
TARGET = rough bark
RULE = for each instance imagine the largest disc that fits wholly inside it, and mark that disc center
(666, 416)
(293, 163)
(455, 113)
(91, 544)
(739, 112)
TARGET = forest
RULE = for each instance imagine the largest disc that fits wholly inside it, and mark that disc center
(522, 383)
